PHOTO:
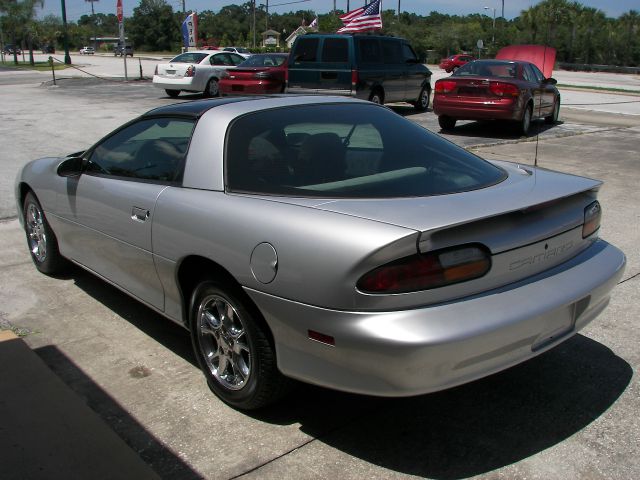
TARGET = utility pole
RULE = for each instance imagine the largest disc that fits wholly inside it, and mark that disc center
(253, 5)
(93, 16)
(65, 37)
(266, 19)
(398, 9)
(493, 37)
(183, 7)
(502, 9)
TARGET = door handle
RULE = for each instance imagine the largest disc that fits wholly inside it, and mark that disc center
(139, 214)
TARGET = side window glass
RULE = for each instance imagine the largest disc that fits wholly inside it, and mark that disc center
(335, 50)
(369, 50)
(391, 51)
(306, 50)
(536, 71)
(408, 53)
(528, 75)
(151, 149)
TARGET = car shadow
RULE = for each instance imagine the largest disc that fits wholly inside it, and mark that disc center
(457, 433)
(496, 129)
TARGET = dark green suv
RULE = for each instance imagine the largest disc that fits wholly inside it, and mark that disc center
(378, 68)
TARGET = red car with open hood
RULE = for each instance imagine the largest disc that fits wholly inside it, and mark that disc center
(510, 87)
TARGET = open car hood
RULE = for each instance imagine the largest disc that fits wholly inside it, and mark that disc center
(541, 56)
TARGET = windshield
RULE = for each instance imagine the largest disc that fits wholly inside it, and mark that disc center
(347, 151)
(487, 68)
(189, 57)
(264, 61)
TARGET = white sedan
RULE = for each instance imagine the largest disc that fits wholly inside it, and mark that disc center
(197, 71)
(87, 51)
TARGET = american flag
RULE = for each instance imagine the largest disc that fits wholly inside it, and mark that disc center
(362, 19)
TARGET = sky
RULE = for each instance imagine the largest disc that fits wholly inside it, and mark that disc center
(512, 8)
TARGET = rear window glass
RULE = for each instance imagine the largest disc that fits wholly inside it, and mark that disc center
(488, 68)
(346, 151)
(189, 57)
(264, 61)
(306, 50)
(335, 50)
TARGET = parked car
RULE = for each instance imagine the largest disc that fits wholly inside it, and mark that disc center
(259, 74)
(496, 90)
(239, 50)
(10, 49)
(371, 67)
(123, 50)
(197, 71)
(87, 51)
(48, 49)
(325, 239)
(453, 62)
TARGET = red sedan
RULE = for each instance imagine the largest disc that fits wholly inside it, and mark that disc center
(453, 62)
(261, 73)
(496, 90)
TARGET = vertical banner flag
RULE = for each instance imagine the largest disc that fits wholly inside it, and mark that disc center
(363, 18)
(190, 30)
(314, 24)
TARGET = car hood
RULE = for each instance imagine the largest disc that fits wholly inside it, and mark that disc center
(524, 188)
(541, 56)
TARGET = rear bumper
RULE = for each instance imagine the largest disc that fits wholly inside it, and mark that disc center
(250, 87)
(320, 91)
(412, 352)
(481, 109)
(179, 83)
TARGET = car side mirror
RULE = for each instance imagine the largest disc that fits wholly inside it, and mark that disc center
(70, 167)
(550, 81)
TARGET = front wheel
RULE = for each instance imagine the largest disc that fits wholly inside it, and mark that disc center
(231, 342)
(212, 89)
(173, 93)
(553, 118)
(423, 99)
(42, 242)
(376, 97)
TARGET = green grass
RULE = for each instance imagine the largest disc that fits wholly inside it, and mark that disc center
(40, 66)
(601, 89)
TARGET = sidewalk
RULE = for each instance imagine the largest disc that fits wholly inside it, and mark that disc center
(47, 432)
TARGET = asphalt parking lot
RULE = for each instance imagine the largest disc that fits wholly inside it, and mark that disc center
(569, 413)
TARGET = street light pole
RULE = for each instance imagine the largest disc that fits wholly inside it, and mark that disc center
(493, 34)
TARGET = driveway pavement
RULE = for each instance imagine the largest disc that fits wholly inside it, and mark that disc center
(570, 413)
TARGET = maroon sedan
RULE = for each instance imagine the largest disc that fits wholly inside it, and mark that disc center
(453, 62)
(512, 90)
(261, 73)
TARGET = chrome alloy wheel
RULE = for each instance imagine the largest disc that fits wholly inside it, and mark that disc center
(223, 342)
(36, 232)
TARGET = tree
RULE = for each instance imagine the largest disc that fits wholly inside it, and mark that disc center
(154, 26)
(19, 22)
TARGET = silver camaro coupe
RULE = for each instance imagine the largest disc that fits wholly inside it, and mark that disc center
(327, 240)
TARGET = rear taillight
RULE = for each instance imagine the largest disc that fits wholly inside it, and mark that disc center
(502, 89)
(592, 217)
(155, 72)
(445, 86)
(191, 71)
(262, 75)
(354, 78)
(426, 271)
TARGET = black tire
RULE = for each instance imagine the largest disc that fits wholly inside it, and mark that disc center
(212, 89)
(226, 328)
(42, 242)
(524, 125)
(553, 118)
(173, 93)
(377, 96)
(424, 99)
(446, 123)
